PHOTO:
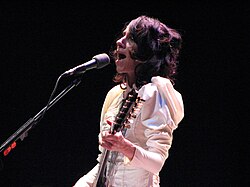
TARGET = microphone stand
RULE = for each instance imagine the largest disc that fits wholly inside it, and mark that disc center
(22, 132)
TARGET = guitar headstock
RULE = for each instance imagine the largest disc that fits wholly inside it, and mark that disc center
(124, 111)
(128, 112)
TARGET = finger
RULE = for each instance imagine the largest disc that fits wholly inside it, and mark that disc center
(107, 145)
(104, 133)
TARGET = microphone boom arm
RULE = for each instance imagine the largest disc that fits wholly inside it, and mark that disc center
(21, 133)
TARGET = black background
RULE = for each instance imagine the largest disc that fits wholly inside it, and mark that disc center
(41, 39)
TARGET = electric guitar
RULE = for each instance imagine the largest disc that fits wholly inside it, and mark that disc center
(119, 125)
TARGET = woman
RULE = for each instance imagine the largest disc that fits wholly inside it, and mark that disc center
(146, 62)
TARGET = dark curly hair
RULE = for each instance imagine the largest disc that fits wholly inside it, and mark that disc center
(158, 49)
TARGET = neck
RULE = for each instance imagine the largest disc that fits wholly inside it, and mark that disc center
(130, 80)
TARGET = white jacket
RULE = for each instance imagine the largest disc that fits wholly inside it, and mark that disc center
(151, 132)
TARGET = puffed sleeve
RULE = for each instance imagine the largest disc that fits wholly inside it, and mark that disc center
(172, 96)
(158, 123)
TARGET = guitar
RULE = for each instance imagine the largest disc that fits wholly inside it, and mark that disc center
(119, 125)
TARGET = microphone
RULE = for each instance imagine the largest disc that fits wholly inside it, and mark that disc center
(99, 61)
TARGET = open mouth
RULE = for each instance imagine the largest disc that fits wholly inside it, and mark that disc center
(121, 56)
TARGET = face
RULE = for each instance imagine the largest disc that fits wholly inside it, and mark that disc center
(124, 63)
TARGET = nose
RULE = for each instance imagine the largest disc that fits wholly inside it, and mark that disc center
(121, 42)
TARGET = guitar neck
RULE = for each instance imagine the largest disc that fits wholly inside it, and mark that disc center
(116, 127)
(102, 166)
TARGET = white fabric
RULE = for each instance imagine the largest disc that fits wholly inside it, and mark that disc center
(151, 132)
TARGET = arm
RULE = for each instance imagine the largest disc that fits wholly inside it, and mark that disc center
(160, 115)
(158, 124)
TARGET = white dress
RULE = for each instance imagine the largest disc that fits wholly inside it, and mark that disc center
(151, 130)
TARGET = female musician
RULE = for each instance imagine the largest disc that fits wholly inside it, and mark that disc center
(146, 62)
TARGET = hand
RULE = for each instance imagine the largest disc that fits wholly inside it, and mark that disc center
(112, 142)
(117, 142)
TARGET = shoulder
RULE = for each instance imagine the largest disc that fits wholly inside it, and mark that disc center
(158, 85)
(113, 94)
(172, 96)
(165, 86)
(114, 91)
(161, 90)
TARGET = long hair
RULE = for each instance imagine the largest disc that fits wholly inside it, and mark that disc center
(158, 49)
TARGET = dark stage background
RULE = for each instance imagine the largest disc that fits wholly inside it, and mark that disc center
(41, 39)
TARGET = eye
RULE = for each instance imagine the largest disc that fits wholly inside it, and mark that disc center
(130, 37)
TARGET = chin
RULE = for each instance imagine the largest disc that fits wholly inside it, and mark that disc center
(118, 71)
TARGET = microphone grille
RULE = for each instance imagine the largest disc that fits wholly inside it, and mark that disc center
(102, 60)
